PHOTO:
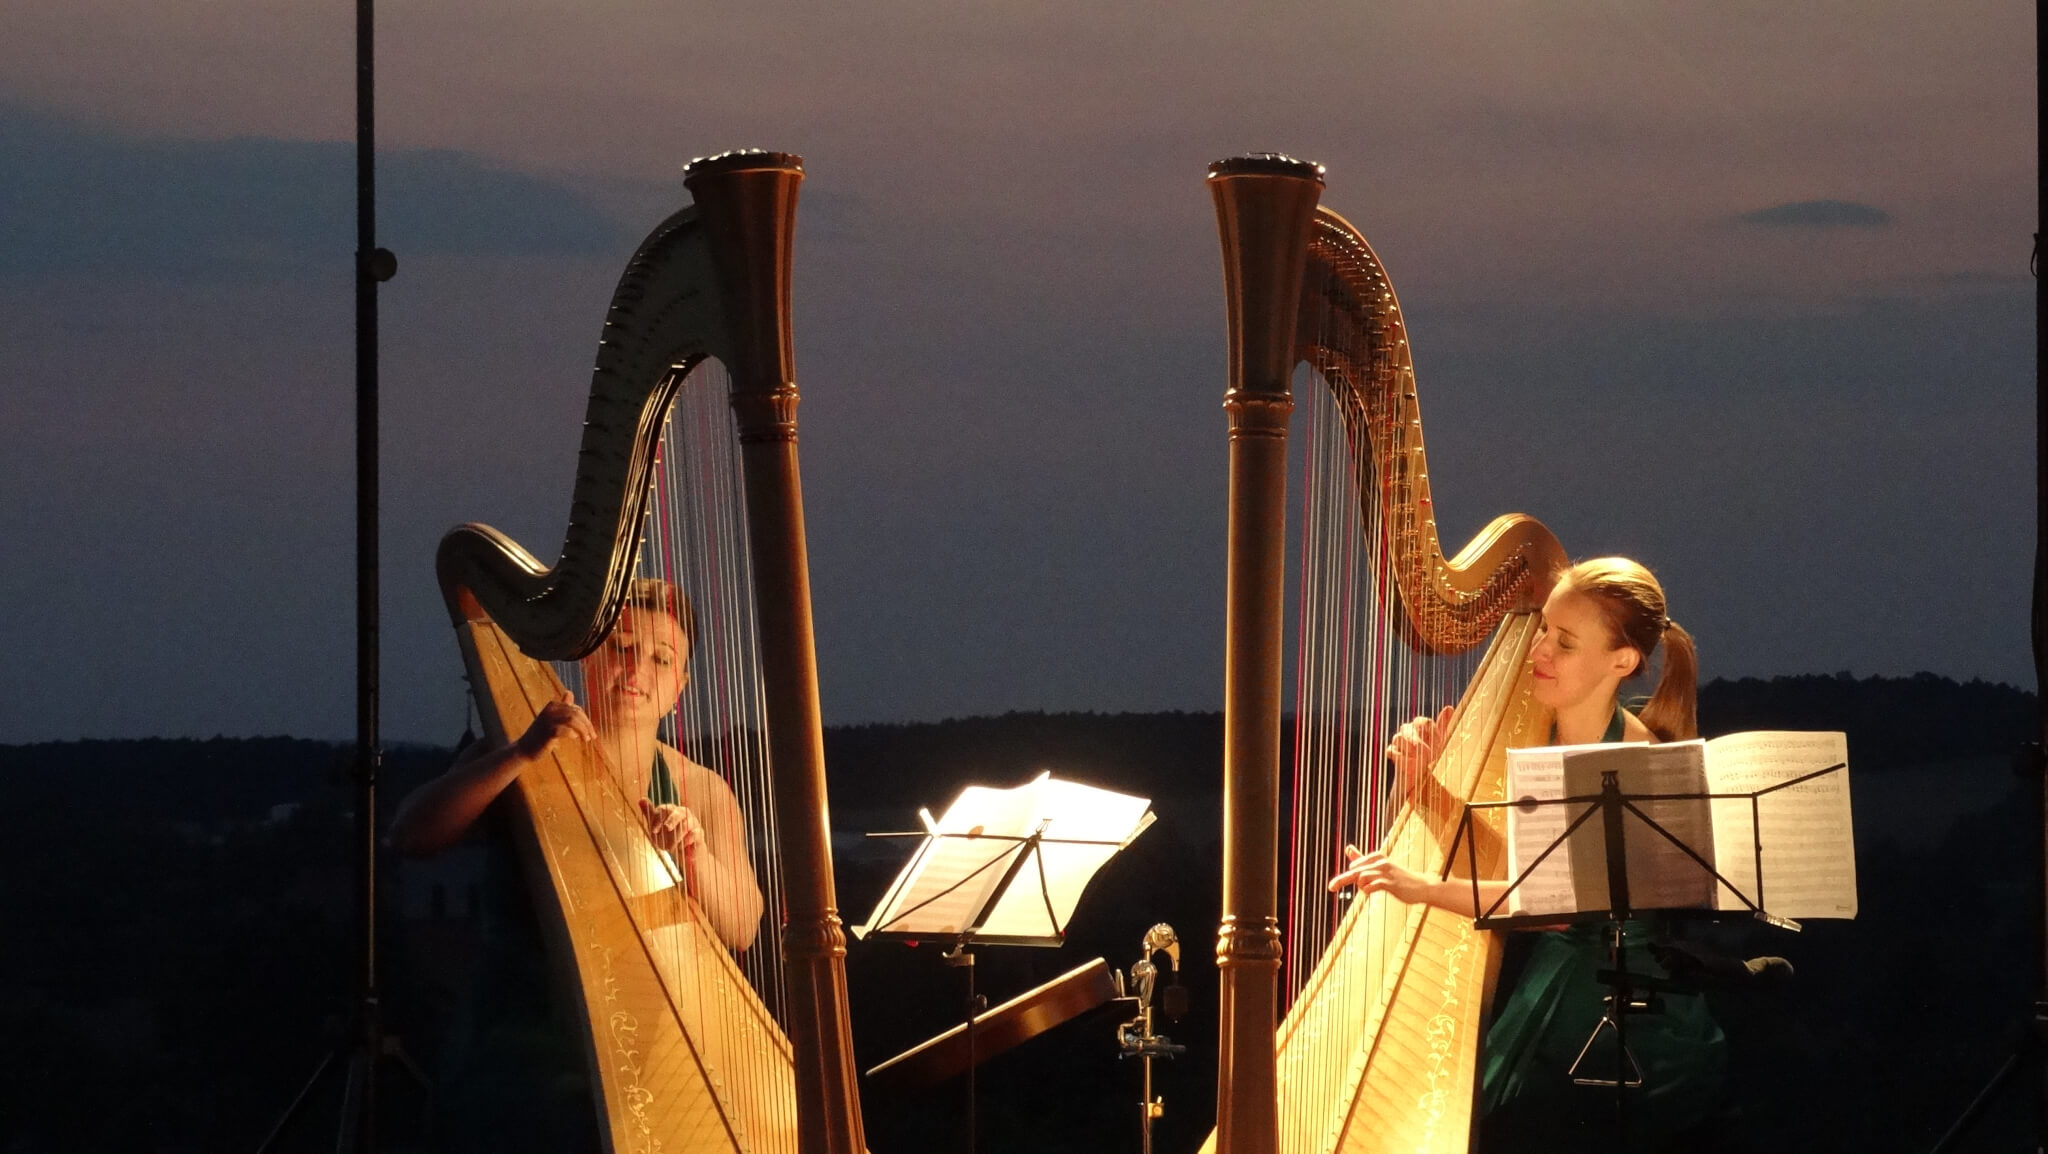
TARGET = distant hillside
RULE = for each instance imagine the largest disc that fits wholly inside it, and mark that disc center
(1158, 754)
(188, 780)
(1890, 721)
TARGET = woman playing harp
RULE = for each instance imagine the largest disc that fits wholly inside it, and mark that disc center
(1383, 1001)
(634, 679)
(517, 1080)
(636, 855)
(1601, 625)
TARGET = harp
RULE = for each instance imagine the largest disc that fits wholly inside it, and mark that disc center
(1377, 1050)
(684, 1053)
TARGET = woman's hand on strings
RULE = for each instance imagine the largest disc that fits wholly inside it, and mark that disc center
(1417, 744)
(558, 719)
(1373, 872)
(672, 827)
(436, 814)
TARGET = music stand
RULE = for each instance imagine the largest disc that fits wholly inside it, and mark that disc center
(1614, 806)
(960, 884)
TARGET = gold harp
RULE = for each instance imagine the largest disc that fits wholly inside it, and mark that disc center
(683, 1055)
(1378, 1048)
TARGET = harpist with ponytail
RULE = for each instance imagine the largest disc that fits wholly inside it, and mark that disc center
(1602, 623)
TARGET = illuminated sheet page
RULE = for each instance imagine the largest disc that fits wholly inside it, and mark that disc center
(1808, 836)
(952, 877)
(1535, 775)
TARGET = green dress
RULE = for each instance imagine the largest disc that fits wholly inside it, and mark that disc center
(1528, 1101)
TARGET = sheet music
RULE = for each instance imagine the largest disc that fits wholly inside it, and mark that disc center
(1075, 813)
(1808, 835)
(947, 882)
(1661, 874)
(1537, 774)
(967, 853)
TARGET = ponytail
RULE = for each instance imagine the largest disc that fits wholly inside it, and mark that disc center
(1673, 711)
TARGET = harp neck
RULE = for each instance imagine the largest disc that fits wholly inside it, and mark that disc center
(1350, 329)
(711, 281)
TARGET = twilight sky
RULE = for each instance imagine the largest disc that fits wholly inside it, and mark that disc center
(1739, 289)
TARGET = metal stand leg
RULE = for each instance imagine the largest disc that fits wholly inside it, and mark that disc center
(1621, 1002)
(962, 957)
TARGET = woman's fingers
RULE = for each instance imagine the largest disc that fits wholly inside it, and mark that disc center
(554, 720)
(672, 827)
(1367, 871)
(1439, 730)
(1417, 743)
(1412, 741)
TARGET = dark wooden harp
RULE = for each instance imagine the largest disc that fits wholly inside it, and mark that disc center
(1378, 1050)
(683, 1055)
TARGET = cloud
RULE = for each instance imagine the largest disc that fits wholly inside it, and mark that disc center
(1817, 214)
(79, 198)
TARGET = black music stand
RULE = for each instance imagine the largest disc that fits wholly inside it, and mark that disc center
(1614, 807)
(960, 884)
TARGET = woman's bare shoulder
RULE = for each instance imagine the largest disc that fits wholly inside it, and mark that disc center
(695, 780)
(1633, 729)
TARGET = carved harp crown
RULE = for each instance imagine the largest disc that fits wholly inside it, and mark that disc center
(684, 1056)
(1377, 1051)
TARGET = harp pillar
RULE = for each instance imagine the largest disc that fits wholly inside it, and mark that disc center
(1265, 207)
(748, 201)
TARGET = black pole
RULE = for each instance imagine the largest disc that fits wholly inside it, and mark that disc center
(2040, 618)
(973, 1011)
(372, 266)
(366, 1043)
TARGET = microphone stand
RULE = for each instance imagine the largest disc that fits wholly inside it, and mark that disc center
(367, 1041)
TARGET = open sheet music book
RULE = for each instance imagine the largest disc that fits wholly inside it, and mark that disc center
(946, 888)
(1809, 846)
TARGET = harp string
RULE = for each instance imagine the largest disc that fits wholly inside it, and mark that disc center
(1361, 673)
(700, 546)
(695, 540)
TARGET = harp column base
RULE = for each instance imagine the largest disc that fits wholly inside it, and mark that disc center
(1248, 954)
(826, 1073)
